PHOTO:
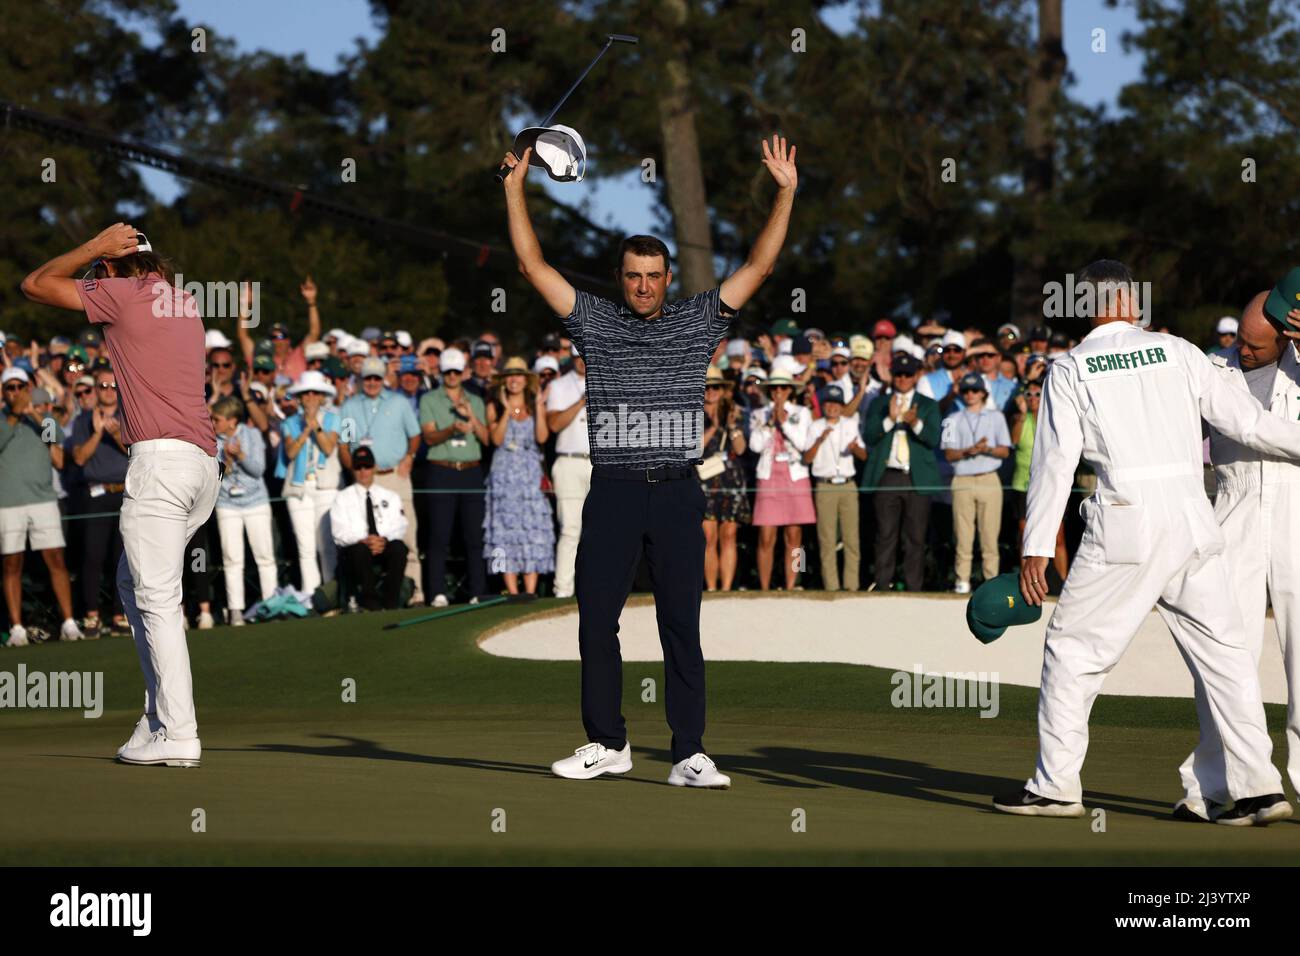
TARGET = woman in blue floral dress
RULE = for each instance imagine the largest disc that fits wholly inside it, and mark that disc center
(518, 530)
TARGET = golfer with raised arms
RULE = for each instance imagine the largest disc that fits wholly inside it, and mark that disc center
(154, 337)
(646, 360)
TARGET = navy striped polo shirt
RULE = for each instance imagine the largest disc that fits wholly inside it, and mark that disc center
(645, 378)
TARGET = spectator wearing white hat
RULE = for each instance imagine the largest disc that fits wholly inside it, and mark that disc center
(215, 339)
(316, 354)
(454, 422)
(779, 435)
(243, 504)
(566, 417)
(835, 445)
(384, 422)
(941, 384)
(29, 509)
(547, 370)
(309, 440)
(1225, 331)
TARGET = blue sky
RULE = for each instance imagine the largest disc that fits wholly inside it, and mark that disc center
(323, 30)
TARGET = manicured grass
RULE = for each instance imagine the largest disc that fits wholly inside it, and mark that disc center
(444, 739)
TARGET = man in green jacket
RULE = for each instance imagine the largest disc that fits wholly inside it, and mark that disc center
(901, 429)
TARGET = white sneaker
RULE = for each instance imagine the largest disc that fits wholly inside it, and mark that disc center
(140, 736)
(440, 601)
(17, 636)
(206, 623)
(70, 631)
(698, 771)
(236, 618)
(961, 587)
(591, 760)
(563, 595)
(159, 750)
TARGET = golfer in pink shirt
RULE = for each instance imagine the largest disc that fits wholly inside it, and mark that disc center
(154, 337)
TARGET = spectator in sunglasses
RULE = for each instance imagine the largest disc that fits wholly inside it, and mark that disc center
(941, 384)
(29, 510)
(384, 422)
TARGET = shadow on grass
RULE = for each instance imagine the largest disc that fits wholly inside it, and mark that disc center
(815, 769)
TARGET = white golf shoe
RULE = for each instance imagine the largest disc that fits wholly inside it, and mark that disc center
(17, 636)
(698, 771)
(206, 621)
(70, 631)
(140, 736)
(439, 600)
(591, 760)
(160, 751)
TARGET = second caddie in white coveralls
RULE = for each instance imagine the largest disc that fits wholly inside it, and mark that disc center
(1130, 402)
(1258, 508)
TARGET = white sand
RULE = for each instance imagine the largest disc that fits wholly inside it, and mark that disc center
(895, 631)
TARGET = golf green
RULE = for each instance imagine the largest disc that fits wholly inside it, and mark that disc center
(444, 757)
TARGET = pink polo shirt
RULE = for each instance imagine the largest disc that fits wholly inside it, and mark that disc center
(157, 350)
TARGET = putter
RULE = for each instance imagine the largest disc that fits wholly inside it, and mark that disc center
(448, 612)
(613, 38)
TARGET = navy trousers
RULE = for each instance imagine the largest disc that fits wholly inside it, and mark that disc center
(621, 520)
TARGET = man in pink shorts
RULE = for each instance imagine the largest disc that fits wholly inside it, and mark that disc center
(154, 337)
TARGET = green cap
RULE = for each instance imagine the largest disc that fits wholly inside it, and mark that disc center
(997, 605)
(787, 327)
(334, 367)
(265, 347)
(1284, 297)
(78, 354)
(263, 363)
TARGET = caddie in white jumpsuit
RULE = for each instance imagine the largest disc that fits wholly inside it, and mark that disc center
(1130, 402)
(1258, 508)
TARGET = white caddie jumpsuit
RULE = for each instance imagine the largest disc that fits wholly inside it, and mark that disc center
(1130, 402)
(1258, 508)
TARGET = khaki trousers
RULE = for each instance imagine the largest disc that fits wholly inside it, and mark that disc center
(837, 517)
(977, 504)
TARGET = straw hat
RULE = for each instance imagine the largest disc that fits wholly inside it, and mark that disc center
(515, 365)
(714, 376)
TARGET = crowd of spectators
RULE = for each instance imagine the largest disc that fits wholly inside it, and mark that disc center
(373, 471)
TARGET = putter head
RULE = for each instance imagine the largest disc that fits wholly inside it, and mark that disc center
(557, 149)
(622, 38)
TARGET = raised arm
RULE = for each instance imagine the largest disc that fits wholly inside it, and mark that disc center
(241, 326)
(308, 290)
(552, 286)
(54, 283)
(740, 287)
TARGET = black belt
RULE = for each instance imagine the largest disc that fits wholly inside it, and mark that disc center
(668, 473)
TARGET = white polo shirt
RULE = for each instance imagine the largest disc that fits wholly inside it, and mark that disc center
(564, 393)
(833, 459)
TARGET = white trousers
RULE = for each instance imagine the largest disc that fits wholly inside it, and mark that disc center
(233, 524)
(572, 480)
(1264, 561)
(1100, 610)
(171, 487)
(310, 516)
